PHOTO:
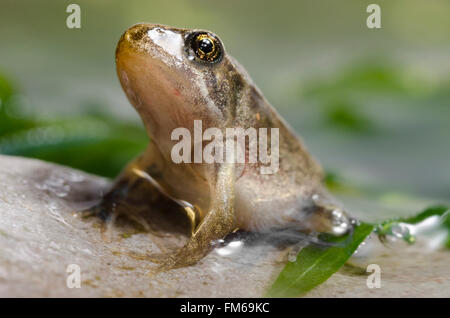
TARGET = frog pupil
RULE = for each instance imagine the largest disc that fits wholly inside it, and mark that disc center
(206, 46)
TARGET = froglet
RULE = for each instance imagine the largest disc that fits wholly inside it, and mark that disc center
(173, 77)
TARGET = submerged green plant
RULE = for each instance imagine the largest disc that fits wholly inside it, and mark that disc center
(315, 264)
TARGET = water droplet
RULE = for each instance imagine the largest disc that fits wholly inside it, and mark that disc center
(341, 223)
(400, 230)
(57, 183)
(229, 249)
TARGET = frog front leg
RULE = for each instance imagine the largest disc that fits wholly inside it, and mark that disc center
(131, 191)
(218, 222)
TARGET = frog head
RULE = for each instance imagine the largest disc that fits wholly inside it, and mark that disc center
(174, 76)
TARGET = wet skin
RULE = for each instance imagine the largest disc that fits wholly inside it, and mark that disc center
(174, 76)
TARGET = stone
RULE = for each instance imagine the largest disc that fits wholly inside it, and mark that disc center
(41, 235)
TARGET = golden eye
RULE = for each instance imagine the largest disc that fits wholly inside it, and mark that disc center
(206, 47)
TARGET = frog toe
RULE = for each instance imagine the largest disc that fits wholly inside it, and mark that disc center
(105, 214)
(101, 210)
(182, 257)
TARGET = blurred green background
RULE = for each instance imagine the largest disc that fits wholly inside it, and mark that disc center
(372, 104)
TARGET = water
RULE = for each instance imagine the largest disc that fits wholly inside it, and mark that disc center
(59, 182)
(230, 248)
(54, 214)
(428, 235)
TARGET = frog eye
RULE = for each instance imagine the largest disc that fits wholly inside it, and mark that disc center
(206, 47)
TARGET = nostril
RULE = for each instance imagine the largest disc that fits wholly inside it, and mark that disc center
(137, 32)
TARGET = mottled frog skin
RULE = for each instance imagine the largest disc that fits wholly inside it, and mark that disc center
(174, 76)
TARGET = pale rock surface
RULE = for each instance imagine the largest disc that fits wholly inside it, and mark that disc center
(40, 236)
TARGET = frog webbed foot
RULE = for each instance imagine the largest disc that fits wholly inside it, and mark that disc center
(104, 210)
(131, 200)
(107, 212)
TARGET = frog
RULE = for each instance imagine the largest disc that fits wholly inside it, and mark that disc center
(175, 76)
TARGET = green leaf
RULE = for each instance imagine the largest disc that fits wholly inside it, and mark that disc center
(385, 228)
(438, 210)
(314, 264)
(100, 146)
(341, 113)
(6, 89)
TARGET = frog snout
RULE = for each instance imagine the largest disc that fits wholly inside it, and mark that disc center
(136, 33)
(136, 37)
(131, 38)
